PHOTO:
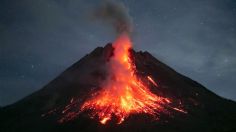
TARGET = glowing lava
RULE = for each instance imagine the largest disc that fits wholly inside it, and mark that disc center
(123, 93)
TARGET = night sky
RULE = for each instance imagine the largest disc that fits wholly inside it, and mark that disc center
(41, 38)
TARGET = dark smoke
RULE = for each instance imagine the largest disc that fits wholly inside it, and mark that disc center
(117, 14)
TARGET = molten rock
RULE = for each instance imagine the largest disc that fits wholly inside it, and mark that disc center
(123, 93)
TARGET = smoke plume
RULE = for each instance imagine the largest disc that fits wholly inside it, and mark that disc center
(115, 13)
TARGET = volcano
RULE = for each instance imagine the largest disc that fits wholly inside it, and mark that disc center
(144, 95)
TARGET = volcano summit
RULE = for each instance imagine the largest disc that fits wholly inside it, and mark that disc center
(118, 89)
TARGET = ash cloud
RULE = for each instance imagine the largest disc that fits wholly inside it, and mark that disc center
(115, 13)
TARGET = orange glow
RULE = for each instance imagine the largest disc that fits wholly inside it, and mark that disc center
(104, 120)
(152, 81)
(123, 93)
(180, 110)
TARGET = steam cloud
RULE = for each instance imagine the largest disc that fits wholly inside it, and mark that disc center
(115, 13)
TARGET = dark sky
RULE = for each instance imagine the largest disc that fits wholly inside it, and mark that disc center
(40, 38)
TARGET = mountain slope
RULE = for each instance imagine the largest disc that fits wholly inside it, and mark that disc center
(206, 110)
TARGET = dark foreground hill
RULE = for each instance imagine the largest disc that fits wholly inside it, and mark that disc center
(206, 110)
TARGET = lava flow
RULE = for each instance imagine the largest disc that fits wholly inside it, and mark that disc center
(123, 93)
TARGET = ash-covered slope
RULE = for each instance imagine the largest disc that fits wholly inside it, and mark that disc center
(206, 110)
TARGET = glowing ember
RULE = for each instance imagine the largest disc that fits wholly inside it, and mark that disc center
(152, 81)
(180, 110)
(104, 120)
(123, 93)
